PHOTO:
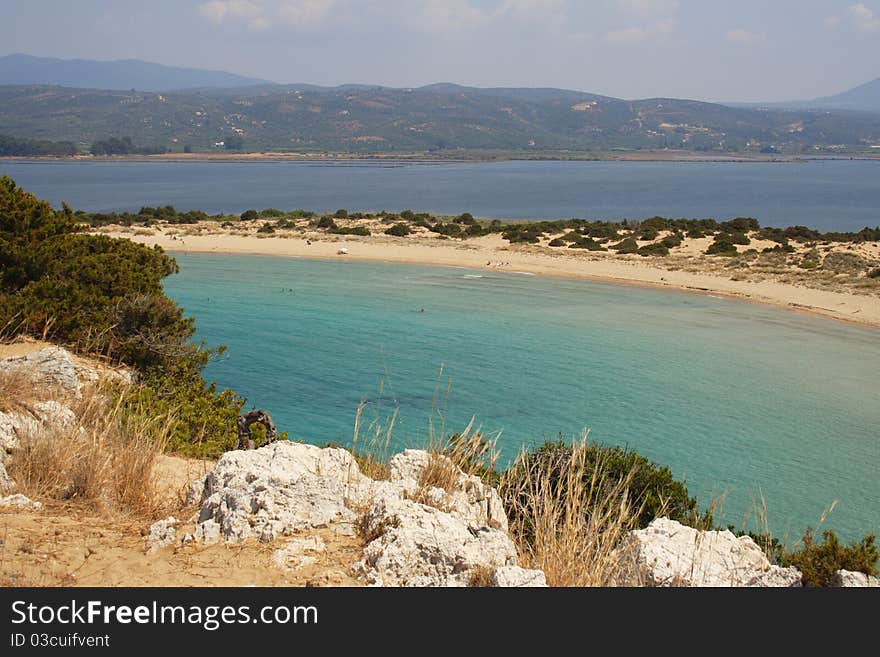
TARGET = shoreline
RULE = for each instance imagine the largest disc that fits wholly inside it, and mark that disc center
(463, 157)
(494, 255)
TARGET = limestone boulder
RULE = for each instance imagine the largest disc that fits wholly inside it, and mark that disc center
(516, 577)
(51, 367)
(161, 534)
(278, 490)
(420, 545)
(851, 580)
(667, 553)
(465, 496)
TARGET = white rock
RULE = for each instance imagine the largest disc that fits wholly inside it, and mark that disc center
(469, 498)
(19, 501)
(52, 367)
(42, 416)
(195, 494)
(280, 489)
(6, 482)
(668, 553)
(850, 579)
(516, 577)
(419, 545)
(294, 554)
(207, 532)
(161, 534)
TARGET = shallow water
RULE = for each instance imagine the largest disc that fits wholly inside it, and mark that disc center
(740, 399)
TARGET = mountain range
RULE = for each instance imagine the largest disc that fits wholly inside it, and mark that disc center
(120, 74)
(171, 109)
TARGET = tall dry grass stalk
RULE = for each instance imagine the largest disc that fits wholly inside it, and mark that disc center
(105, 460)
(569, 519)
(469, 451)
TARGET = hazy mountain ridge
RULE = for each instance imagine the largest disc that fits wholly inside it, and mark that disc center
(119, 74)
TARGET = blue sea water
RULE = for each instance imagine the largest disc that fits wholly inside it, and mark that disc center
(740, 399)
(828, 195)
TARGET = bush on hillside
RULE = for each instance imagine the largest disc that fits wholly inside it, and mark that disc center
(103, 295)
(819, 561)
(653, 490)
(398, 230)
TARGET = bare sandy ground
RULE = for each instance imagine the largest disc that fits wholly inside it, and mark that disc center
(69, 545)
(688, 270)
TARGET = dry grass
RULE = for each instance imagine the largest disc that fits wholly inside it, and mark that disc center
(566, 523)
(18, 390)
(104, 461)
(481, 577)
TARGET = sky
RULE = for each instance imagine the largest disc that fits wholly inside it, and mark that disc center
(715, 50)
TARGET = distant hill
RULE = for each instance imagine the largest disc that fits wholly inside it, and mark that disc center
(865, 98)
(120, 74)
(437, 118)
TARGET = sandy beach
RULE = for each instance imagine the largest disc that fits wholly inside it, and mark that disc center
(689, 270)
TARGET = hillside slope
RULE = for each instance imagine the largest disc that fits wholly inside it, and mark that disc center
(436, 118)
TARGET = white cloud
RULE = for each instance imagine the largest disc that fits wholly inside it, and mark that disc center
(743, 37)
(638, 34)
(450, 16)
(263, 14)
(528, 9)
(648, 9)
(858, 17)
(305, 11)
(863, 18)
(219, 10)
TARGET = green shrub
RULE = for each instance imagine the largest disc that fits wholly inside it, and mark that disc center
(740, 238)
(363, 231)
(407, 215)
(629, 245)
(587, 243)
(653, 489)
(103, 295)
(271, 213)
(266, 228)
(810, 260)
(341, 214)
(672, 241)
(250, 215)
(875, 273)
(818, 562)
(466, 218)
(399, 230)
(326, 222)
(656, 249)
(723, 246)
(557, 242)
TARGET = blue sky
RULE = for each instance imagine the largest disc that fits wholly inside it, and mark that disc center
(749, 50)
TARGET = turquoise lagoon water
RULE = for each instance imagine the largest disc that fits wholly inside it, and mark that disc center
(737, 398)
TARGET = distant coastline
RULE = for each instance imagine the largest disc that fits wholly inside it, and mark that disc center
(459, 156)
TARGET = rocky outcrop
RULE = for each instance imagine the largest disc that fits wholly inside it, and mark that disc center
(39, 416)
(161, 534)
(419, 545)
(52, 368)
(6, 482)
(465, 496)
(279, 490)
(849, 579)
(19, 501)
(417, 534)
(668, 553)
